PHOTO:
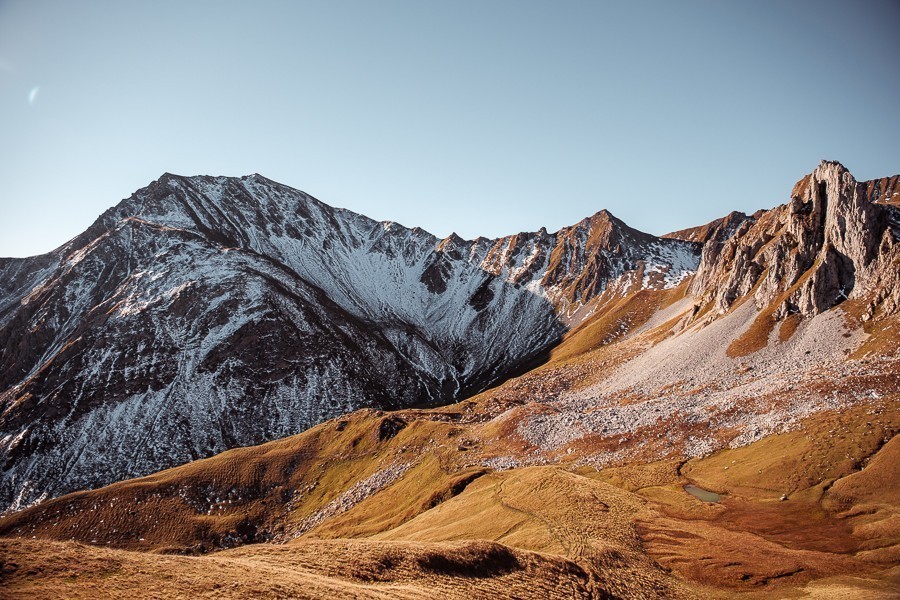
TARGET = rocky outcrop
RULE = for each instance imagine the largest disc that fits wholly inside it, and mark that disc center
(575, 266)
(718, 230)
(830, 243)
(713, 236)
(884, 191)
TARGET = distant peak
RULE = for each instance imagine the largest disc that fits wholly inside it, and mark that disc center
(829, 168)
(173, 177)
(825, 163)
(167, 176)
(255, 177)
(451, 243)
(603, 216)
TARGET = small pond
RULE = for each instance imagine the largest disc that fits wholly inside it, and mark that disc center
(702, 494)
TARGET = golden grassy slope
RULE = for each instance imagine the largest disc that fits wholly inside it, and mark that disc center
(406, 503)
(626, 531)
(753, 538)
(318, 569)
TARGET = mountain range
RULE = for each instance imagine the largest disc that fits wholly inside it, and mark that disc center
(207, 313)
(554, 395)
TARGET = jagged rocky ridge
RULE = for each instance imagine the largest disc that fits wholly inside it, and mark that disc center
(835, 240)
(205, 313)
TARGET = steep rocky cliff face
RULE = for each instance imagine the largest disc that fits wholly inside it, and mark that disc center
(719, 230)
(884, 191)
(206, 313)
(830, 243)
(579, 267)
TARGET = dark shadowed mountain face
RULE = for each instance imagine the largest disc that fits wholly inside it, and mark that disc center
(206, 313)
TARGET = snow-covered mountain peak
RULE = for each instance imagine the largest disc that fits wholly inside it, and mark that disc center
(211, 312)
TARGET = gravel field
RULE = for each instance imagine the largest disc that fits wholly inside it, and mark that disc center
(689, 397)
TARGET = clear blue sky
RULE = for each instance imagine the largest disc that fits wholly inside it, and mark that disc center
(480, 117)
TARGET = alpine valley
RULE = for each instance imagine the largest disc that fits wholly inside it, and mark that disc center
(227, 388)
